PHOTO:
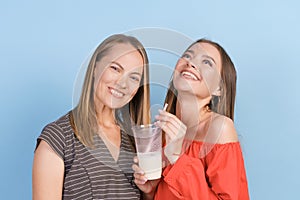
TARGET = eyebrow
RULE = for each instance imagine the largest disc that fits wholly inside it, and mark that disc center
(114, 62)
(137, 73)
(190, 51)
(118, 64)
(206, 56)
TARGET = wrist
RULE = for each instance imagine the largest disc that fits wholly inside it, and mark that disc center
(148, 196)
(171, 156)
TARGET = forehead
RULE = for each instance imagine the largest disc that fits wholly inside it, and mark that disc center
(125, 55)
(206, 49)
(120, 50)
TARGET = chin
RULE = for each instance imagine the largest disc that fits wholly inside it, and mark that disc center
(182, 85)
(114, 104)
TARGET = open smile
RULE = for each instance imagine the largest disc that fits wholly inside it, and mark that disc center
(189, 75)
(116, 93)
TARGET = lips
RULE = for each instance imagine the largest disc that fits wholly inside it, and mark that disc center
(116, 93)
(189, 75)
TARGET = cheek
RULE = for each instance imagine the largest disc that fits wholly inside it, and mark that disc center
(98, 83)
(212, 80)
(106, 77)
(133, 89)
(176, 74)
(180, 64)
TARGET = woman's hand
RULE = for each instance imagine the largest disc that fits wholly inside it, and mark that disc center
(148, 187)
(175, 131)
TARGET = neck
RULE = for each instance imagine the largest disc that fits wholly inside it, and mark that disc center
(191, 110)
(105, 116)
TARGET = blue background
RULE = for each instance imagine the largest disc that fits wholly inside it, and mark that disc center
(43, 44)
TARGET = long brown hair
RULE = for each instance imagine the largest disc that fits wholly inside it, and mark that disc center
(83, 116)
(223, 104)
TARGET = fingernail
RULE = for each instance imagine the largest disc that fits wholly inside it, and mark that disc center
(142, 172)
(157, 123)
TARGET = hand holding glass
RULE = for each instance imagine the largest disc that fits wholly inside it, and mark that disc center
(148, 140)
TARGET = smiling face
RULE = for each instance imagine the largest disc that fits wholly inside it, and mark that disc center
(118, 76)
(198, 71)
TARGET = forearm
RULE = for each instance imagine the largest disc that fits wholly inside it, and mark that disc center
(148, 196)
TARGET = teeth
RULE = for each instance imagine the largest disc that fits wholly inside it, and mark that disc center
(189, 75)
(116, 93)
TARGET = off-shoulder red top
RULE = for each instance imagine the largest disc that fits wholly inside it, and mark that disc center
(199, 174)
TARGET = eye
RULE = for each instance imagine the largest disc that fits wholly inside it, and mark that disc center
(135, 78)
(186, 55)
(115, 68)
(207, 62)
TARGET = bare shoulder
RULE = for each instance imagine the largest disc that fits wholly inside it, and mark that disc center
(226, 130)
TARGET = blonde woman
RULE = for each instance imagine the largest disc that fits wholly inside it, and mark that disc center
(87, 153)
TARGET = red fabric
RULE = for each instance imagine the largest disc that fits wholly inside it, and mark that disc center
(206, 172)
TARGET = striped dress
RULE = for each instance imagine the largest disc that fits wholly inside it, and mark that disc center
(91, 173)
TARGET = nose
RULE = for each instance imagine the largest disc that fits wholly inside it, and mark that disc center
(190, 64)
(122, 82)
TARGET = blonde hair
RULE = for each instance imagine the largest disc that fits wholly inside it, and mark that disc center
(83, 116)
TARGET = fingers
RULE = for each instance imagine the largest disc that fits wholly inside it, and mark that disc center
(169, 129)
(135, 159)
(137, 169)
(168, 117)
(170, 124)
(139, 179)
(139, 175)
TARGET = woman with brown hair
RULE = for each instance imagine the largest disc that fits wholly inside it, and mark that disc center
(87, 153)
(201, 144)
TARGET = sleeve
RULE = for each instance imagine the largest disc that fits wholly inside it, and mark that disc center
(186, 179)
(222, 177)
(54, 136)
(225, 172)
